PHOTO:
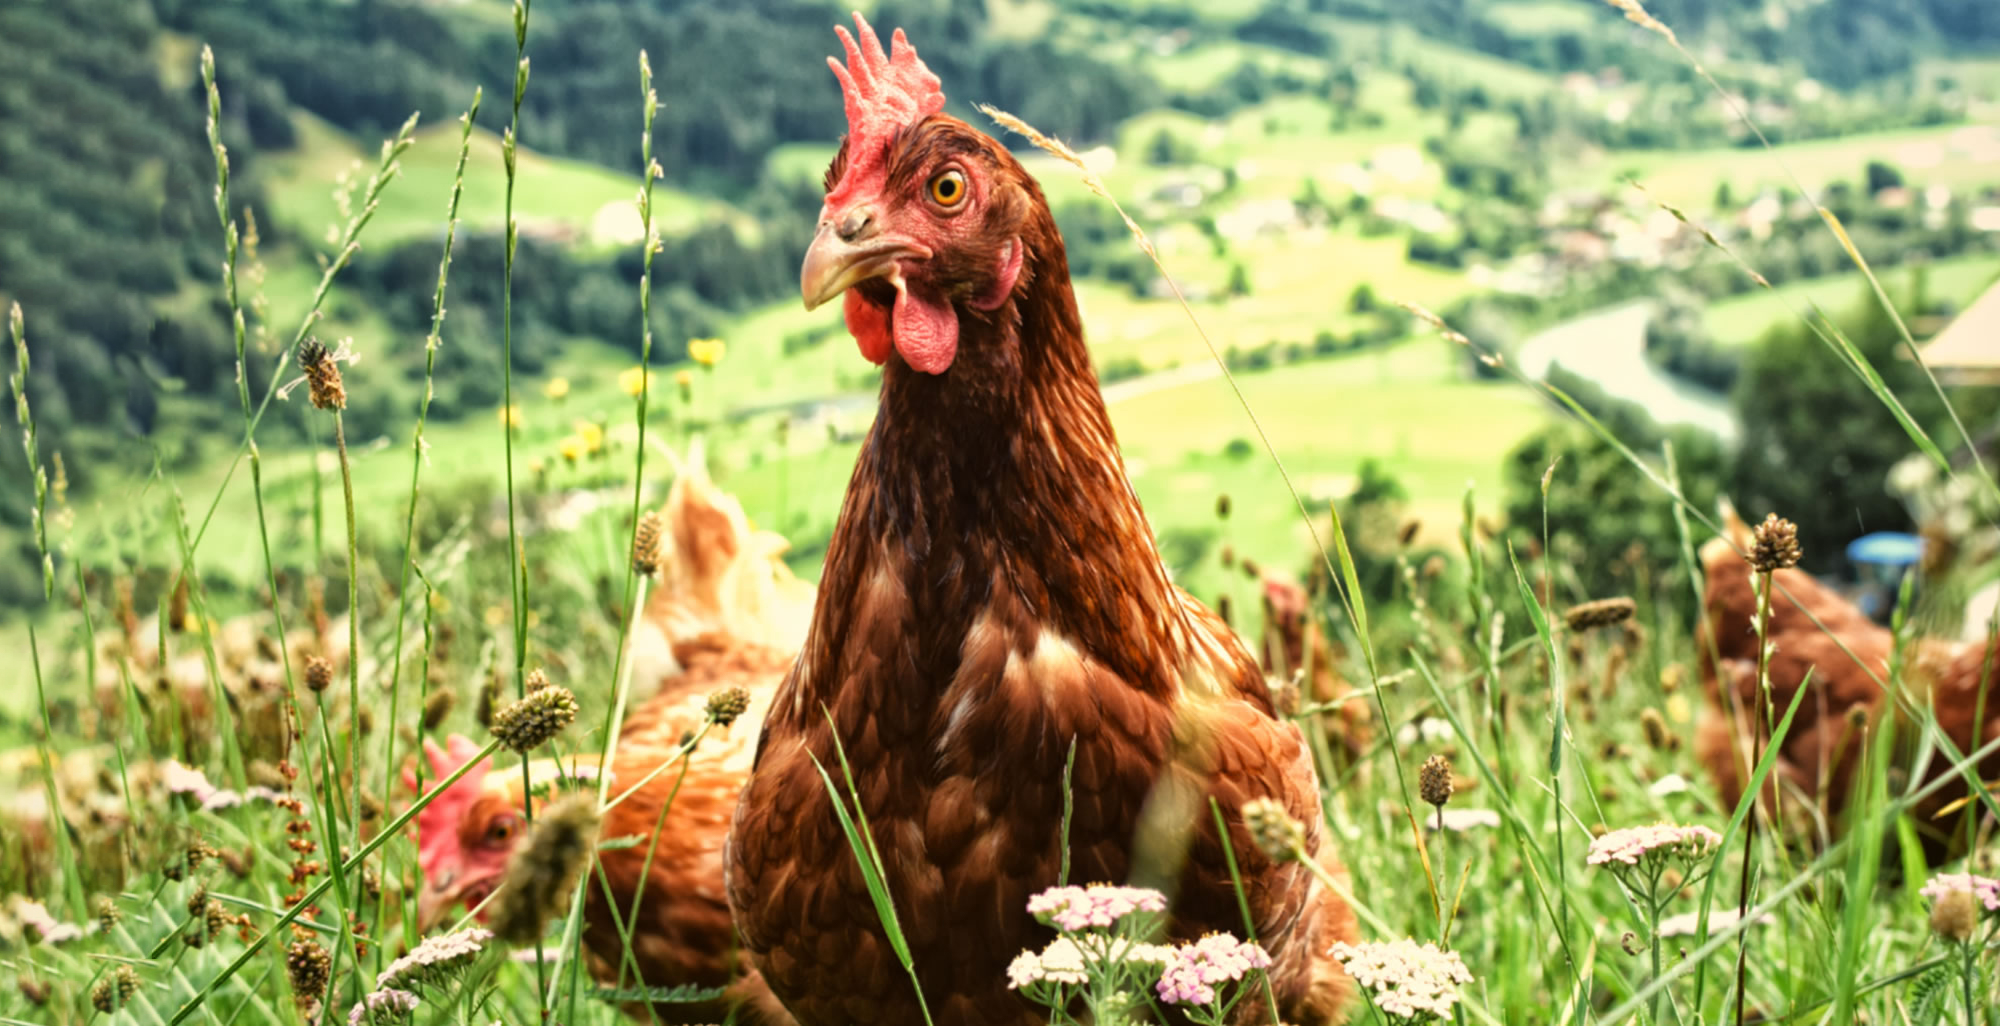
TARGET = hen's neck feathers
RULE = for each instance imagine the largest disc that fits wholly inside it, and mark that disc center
(997, 489)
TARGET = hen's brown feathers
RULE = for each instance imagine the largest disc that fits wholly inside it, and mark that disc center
(683, 933)
(725, 614)
(1821, 641)
(992, 597)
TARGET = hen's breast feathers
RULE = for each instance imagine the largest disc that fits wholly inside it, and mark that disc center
(987, 603)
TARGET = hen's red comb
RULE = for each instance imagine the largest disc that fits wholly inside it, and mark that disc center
(884, 93)
(437, 824)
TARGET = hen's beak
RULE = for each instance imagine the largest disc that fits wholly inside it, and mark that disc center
(438, 898)
(848, 252)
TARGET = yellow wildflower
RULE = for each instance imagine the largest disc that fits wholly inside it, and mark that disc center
(685, 381)
(571, 448)
(706, 351)
(511, 416)
(557, 388)
(635, 380)
(591, 435)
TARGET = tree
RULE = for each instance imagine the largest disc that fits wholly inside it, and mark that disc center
(1602, 510)
(1817, 446)
(1239, 280)
(1883, 176)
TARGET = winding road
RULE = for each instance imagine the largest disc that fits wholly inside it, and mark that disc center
(1609, 348)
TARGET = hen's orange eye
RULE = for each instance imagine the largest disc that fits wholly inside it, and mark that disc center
(501, 830)
(948, 189)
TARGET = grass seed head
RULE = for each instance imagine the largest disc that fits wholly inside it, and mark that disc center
(437, 706)
(646, 544)
(1777, 545)
(1434, 781)
(108, 914)
(322, 375)
(726, 705)
(177, 606)
(489, 701)
(309, 965)
(1275, 832)
(114, 989)
(1659, 736)
(319, 674)
(1600, 613)
(541, 873)
(1955, 915)
(531, 722)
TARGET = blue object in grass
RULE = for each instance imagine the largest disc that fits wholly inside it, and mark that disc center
(1885, 549)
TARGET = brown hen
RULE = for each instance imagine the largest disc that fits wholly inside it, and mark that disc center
(1294, 645)
(1822, 641)
(716, 574)
(992, 599)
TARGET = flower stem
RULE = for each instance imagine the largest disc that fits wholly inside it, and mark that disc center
(1653, 933)
(1970, 952)
(1758, 726)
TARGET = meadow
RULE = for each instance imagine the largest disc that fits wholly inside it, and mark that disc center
(322, 608)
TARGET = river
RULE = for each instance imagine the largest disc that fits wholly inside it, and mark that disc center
(1609, 348)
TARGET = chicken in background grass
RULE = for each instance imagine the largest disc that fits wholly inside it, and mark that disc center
(717, 577)
(992, 596)
(1294, 644)
(1847, 656)
(175, 695)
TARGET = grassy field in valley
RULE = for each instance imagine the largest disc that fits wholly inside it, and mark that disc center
(1740, 320)
(558, 198)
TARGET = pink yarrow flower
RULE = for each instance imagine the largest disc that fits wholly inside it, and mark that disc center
(1194, 969)
(1098, 906)
(181, 779)
(1405, 979)
(1984, 888)
(52, 930)
(435, 960)
(1630, 846)
(1066, 961)
(383, 1008)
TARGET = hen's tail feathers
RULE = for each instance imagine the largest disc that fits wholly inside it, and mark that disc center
(1736, 536)
(718, 574)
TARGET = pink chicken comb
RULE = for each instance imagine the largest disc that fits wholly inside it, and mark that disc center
(437, 824)
(883, 94)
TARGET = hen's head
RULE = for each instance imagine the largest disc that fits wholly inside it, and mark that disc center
(924, 217)
(465, 834)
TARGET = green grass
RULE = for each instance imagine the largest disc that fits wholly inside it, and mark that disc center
(1543, 17)
(559, 199)
(1204, 65)
(1741, 320)
(1937, 155)
(1569, 756)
